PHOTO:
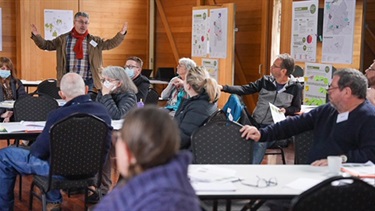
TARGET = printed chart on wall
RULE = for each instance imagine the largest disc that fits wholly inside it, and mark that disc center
(317, 79)
(1, 30)
(304, 29)
(200, 33)
(212, 66)
(57, 22)
(338, 31)
(218, 32)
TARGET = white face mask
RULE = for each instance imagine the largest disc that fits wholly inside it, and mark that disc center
(4, 73)
(109, 85)
(130, 72)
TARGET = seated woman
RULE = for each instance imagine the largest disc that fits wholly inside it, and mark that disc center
(193, 112)
(175, 92)
(155, 178)
(12, 87)
(118, 92)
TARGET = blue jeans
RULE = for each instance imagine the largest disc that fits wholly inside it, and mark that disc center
(259, 149)
(14, 161)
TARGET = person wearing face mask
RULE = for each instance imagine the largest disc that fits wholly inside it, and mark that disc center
(194, 111)
(12, 87)
(79, 51)
(118, 96)
(133, 68)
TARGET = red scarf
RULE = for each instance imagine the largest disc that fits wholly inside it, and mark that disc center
(78, 48)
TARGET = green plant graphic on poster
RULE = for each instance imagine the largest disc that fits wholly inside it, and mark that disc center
(317, 79)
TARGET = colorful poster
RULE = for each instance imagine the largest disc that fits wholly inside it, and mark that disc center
(304, 30)
(338, 31)
(57, 22)
(317, 79)
(199, 33)
(212, 66)
(218, 32)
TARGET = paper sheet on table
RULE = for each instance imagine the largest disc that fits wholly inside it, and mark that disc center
(24, 126)
(209, 173)
(277, 116)
(213, 186)
(302, 183)
(361, 170)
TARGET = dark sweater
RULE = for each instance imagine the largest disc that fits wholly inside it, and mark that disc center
(353, 137)
(163, 188)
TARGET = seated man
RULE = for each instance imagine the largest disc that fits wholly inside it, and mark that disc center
(15, 160)
(370, 74)
(133, 67)
(345, 126)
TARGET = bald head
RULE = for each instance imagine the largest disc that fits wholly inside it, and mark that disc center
(71, 86)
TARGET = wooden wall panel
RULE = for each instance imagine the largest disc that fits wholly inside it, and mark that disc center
(106, 19)
(9, 30)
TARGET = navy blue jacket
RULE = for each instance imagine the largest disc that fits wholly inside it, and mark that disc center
(353, 137)
(81, 104)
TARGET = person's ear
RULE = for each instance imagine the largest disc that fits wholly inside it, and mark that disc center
(86, 89)
(61, 94)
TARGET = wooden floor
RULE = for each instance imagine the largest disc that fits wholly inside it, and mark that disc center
(75, 202)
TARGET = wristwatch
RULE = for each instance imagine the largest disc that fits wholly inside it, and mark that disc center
(344, 158)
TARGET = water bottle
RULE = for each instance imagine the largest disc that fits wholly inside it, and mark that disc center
(140, 104)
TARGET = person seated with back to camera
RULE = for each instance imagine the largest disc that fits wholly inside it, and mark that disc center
(12, 87)
(194, 111)
(133, 68)
(175, 92)
(118, 92)
(19, 160)
(154, 178)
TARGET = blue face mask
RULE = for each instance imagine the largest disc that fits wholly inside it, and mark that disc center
(4, 73)
(129, 72)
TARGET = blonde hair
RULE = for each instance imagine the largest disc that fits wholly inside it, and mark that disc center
(199, 79)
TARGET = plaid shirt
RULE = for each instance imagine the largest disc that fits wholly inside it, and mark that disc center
(79, 66)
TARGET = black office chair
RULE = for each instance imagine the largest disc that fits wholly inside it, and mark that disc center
(302, 145)
(152, 97)
(220, 142)
(78, 146)
(32, 109)
(48, 87)
(337, 193)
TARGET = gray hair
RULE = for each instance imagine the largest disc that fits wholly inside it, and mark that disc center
(287, 63)
(353, 79)
(189, 63)
(81, 14)
(72, 85)
(118, 73)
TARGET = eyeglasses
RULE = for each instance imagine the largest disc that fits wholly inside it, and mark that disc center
(274, 66)
(83, 22)
(260, 183)
(330, 87)
(180, 65)
(371, 69)
(130, 66)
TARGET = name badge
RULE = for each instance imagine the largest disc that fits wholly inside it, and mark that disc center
(93, 43)
(342, 117)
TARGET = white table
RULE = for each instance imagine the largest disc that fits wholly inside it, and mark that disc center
(158, 82)
(28, 84)
(284, 174)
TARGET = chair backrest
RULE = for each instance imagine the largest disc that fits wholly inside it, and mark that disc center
(337, 193)
(302, 145)
(49, 87)
(165, 73)
(32, 108)
(78, 147)
(152, 97)
(220, 142)
(146, 72)
(298, 71)
(217, 116)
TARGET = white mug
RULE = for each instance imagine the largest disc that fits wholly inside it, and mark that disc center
(334, 164)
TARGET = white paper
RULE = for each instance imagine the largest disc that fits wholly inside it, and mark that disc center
(57, 22)
(277, 115)
(338, 31)
(302, 183)
(317, 78)
(200, 33)
(212, 66)
(209, 173)
(218, 33)
(213, 186)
